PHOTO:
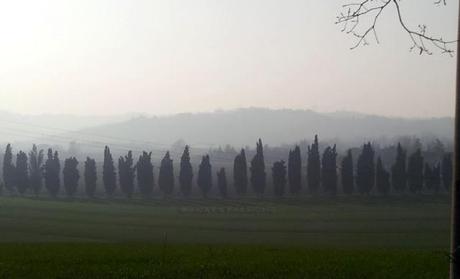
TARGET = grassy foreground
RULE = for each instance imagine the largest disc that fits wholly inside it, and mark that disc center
(214, 261)
(304, 238)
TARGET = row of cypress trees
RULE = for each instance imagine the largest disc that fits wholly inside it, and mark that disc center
(322, 173)
(407, 173)
(143, 171)
(33, 171)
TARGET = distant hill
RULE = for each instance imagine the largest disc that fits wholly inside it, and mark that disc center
(31, 128)
(243, 126)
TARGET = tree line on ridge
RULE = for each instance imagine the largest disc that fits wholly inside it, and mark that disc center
(409, 173)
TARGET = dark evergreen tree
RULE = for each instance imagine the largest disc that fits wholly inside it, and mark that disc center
(185, 173)
(9, 170)
(144, 168)
(436, 177)
(258, 175)
(126, 174)
(446, 170)
(222, 182)
(348, 179)
(313, 167)
(108, 173)
(295, 171)
(36, 169)
(71, 176)
(329, 170)
(22, 172)
(432, 177)
(382, 178)
(166, 175)
(52, 173)
(205, 176)
(428, 176)
(279, 178)
(240, 173)
(90, 177)
(415, 172)
(398, 170)
(365, 170)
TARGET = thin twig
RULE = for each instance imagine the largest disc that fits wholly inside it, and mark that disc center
(372, 10)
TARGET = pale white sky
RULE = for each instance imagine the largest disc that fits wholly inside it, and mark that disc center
(168, 56)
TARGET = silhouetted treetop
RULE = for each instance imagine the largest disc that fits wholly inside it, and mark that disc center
(166, 175)
(126, 174)
(314, 167)
(205, 176)
(52, 173)
(295, 170)
(365, 169)
(279, 178)
(9, 170)
(258, 175)
(90, 177)
(398, 170)
(347, 172)
(185, 172)
(144, 168)
(36, 158)
(415, 171)
(108, 173)
(329, 170)
(240, 173)
(22, 172)
(71, 176)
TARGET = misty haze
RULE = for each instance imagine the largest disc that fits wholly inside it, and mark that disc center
(229, 139)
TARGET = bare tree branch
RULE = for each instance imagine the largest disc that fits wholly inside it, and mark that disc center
(371, 10)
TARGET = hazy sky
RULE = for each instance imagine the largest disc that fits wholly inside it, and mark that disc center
(168, 56)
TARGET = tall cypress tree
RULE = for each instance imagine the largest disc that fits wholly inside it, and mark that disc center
(329, 170)
(52, 173)
(398, 170)
(205, 176)
(90, 177)
(446, 171)
(22, 173)
(240, 173)
(295, 171)
(365, 170)
(382, 178)
(313, 167)
(108, 173)
(428, 177)
(258, 175)
(222, 182)
(432, 177)
(415, 172)
(144, 168)
(71, 176)
(279, 178)
(348, 179)
(36, 169)
(9, 170)
(436, 177)
(126, 174)
(166, 175)
(185, 173)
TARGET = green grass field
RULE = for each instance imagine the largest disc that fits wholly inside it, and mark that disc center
(357, 237)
